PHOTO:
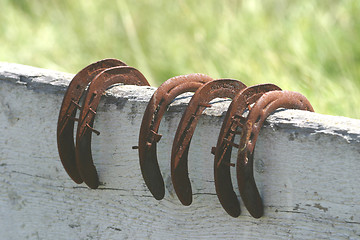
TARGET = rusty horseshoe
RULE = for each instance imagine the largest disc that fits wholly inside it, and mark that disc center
(221, 88)
(230, 127)
(69, 106)
(249, 109)
(266, 104)
(105, 79)
(149, 136)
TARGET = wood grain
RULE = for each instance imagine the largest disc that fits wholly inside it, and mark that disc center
(307, 168)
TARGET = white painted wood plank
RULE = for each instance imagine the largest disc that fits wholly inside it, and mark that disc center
(307, 170)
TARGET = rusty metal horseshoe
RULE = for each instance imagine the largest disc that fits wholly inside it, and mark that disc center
(105, 79)
(220, 88)
(149, 136)
(69, 106)
(230, 127)
(267, 104)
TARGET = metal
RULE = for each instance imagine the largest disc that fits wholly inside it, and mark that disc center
(222, 88)
(149, 135)
(267, 104)
(231, 126)
(107, 78)
(258, 102)
(67, 115)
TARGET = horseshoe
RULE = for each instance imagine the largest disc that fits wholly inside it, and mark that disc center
(267, 104)
(233, 120)
(69, 106)
(149, 136)
(105, 79)
(179, 155)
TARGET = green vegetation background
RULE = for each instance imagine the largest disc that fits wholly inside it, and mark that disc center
(308, 46)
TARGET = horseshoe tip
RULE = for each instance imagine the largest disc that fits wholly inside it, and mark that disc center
(93, 183)
(186, 201)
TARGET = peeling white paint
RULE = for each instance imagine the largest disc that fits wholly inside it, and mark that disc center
(307, 167)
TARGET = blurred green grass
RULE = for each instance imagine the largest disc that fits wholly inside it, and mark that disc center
(312, 47)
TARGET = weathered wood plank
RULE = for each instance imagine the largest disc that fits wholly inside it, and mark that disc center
(307, 170)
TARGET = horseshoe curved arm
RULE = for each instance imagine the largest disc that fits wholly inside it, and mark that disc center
(179, 155)
(149, 136)
(230, 127)
(69, 106)
(267, 104)
(108, 77)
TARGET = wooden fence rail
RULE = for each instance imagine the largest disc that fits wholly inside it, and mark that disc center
(307, 168)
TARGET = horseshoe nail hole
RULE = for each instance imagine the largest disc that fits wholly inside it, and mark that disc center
(92, 98)
(77, 86)
(267, 105)
(248, 153)
(251, 137)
